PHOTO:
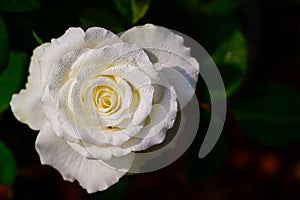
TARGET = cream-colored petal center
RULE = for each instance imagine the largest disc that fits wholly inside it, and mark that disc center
(106, 99)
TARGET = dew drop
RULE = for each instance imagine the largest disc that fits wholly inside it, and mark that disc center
(166, 125)
(195, 74)
(146, 90)
(168, 49)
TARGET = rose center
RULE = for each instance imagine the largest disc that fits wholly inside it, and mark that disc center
(105, 99)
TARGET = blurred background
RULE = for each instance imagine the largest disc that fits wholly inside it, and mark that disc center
(256, 46)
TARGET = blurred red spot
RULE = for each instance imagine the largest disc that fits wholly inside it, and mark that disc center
(296, 170)
(4, 189)
(269, 164)
(205, 106)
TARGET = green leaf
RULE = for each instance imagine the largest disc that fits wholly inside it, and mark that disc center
(11, 79)
(270, 113)
(231, 58)
(219, 6)
(19, 5)
(214, 30)
(222, 6)
(124, 8)
(37, 38)
(7, 166)
(3, 44)
(139, 8)
(98, 17)
(213, 7)
(132, 9)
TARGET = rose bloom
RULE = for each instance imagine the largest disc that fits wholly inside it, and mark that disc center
(96, 98)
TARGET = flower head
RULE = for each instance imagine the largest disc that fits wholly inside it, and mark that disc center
(96, 97)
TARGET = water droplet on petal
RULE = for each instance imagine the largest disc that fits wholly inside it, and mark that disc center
(166, 125)
(146, 90)
(167, 48)
(195, 73)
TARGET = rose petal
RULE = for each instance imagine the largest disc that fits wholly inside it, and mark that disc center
(97, 37)
(93, 175)
(97, 136)
(57, 88)
(98, 152)
(184, 90)
(142, 85)
(154, 132)
(93, 62)
(168, 101)
(162, 118)
(169, 54)
(26, 105)
(74, 39)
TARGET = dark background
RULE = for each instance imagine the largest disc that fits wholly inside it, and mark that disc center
(257, 156)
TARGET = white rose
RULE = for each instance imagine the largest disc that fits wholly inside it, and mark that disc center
(96, 98)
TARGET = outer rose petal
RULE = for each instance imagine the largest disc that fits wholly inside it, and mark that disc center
(93, 175)
(169, 55)
(26, 105)
(74, 39)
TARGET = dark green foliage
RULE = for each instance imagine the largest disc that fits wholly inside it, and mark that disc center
(133, 10)
(12, 78)
(213, 7)
(98, 17)
(19, 5)
(231, 58)
(3, 44)
(7, 165)
(270, 113)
